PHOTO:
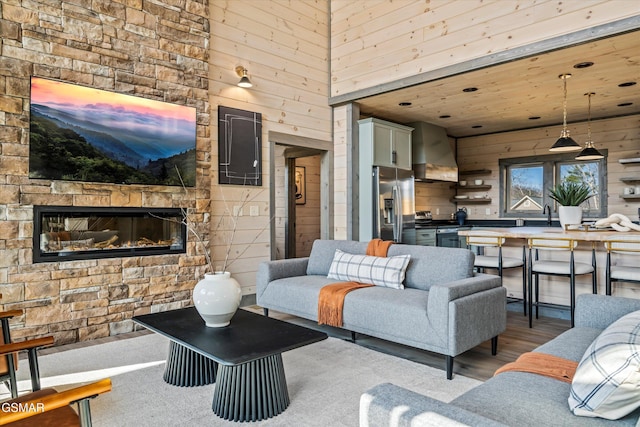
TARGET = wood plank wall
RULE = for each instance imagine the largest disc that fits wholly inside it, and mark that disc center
(375, 42)
(620, 136)
(379, 41)
(341, 145)
(284, 46)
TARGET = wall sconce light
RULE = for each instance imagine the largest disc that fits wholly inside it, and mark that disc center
(565, 142)
(590, 152)
(244, 79)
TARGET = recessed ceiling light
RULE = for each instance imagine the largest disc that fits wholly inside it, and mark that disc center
(404, 104)
(470, 89)
(625, 104)
(476, 126)
(534, 117)
(583, 65)
(445, 116)
(626, 84)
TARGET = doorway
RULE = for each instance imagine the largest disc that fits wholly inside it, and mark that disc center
(300, 193)
(302, 184)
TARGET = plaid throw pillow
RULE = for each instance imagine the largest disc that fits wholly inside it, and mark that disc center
(379, 271)
(606, 382)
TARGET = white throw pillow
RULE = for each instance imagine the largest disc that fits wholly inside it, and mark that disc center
(374, 270)
(607, 380)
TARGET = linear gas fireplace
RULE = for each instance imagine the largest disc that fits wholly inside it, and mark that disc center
(64, 233)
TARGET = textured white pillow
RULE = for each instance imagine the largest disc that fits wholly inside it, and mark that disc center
(607, 380)
(374, 270)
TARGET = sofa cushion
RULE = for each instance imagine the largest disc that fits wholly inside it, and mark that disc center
(571, 344)
(607, 381)
(424, 270)
(434, 265)
(322, 253)
(296, 295)
(529, 400)
(380, 271)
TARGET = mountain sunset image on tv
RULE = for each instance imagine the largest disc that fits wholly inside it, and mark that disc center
(79, 133)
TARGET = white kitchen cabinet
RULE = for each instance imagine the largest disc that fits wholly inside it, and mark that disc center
(385, 143)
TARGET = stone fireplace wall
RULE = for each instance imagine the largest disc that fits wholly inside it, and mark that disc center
(157, 50)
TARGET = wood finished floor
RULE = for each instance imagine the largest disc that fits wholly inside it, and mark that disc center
(476, 363)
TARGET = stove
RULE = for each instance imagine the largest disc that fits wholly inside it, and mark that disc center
(423, 219)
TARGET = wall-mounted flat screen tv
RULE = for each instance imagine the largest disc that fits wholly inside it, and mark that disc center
(78, 133)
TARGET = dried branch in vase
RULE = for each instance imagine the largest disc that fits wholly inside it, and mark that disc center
(225, 230)
(227, 226)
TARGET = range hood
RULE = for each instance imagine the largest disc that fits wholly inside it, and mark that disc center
(432, 157)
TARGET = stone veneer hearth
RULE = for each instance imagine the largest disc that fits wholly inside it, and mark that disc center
(156, 50)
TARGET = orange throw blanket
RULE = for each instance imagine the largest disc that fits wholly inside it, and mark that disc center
(543, 364)
(331, 298)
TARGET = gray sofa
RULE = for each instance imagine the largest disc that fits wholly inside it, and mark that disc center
(510, 398)
(445, 307)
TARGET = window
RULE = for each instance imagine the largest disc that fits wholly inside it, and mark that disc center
(526, 189)
(525, 183)
(586, 173)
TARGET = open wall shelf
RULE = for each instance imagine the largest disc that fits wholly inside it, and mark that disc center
(471, 200)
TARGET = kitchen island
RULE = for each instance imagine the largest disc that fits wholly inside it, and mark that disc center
(555, 289)
(592, 235)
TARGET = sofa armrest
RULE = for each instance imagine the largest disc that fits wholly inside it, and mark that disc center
(599, 311)
(480, 297)
(389, 405)
(279, 269)
(441, 295)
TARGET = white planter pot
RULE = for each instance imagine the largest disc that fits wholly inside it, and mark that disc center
(217, 297)
(570, 215)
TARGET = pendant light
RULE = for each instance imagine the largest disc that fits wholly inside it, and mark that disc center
(565, 142)
(589, 152)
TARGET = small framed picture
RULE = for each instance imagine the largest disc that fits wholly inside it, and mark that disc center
(300, 181)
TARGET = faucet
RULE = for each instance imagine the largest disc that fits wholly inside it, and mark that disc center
(547, 210)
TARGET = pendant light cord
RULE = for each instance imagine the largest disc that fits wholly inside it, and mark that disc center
(564, 104)
(589, 119)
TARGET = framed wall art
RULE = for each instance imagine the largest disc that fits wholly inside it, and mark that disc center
(239, 147)
(301, 185)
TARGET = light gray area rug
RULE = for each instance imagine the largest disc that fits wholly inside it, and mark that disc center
(325, 382)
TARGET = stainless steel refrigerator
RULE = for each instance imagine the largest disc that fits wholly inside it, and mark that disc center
(394, 207)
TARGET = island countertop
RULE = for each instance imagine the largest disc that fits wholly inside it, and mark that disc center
(593, 235)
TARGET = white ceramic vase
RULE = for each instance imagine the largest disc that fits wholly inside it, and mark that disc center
(217, 297)
(569, 215)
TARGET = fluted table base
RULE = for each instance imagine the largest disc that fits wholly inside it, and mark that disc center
(186, 368)
(252, 391)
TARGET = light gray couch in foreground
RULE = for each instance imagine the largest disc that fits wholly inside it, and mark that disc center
(445, 307)
(510, 398)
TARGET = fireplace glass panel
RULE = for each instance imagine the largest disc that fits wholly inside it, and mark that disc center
(71, 233)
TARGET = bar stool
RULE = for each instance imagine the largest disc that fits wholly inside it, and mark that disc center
(480, 241)
(622, 245)
(555, 267)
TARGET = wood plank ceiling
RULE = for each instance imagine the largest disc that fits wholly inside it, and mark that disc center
(510, 94)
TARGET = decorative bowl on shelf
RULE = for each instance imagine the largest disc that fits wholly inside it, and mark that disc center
(478, 197)
(461, 197)
(462, 183)
(478, 182)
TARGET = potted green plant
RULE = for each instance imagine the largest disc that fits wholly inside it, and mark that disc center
(570, 195)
